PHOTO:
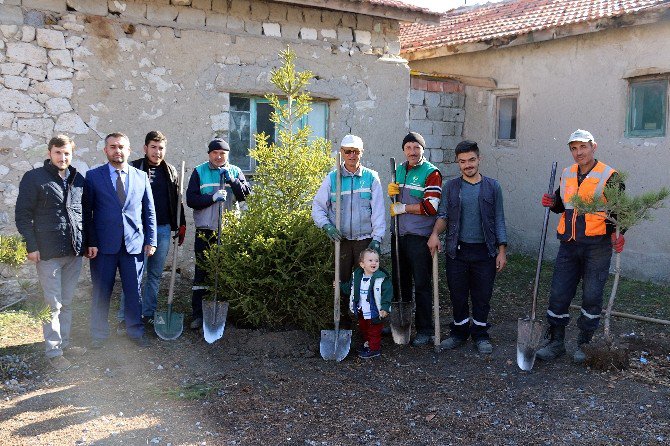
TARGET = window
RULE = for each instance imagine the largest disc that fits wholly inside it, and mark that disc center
(506, 119)
(647, 105)
(251, 115)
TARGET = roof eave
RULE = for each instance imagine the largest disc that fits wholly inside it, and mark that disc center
(387, 12)
(647, 16)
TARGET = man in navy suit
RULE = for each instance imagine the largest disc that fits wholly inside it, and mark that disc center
(121, 225)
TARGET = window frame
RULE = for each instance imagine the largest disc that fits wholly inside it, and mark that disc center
(503, 142)
(254, 100)
(630, 132)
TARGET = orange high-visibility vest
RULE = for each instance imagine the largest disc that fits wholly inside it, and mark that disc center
(592, 186)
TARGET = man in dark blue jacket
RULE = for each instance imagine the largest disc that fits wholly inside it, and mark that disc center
(49, 217)
(472, 212)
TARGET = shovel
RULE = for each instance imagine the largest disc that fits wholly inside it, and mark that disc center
(169, 325)
(530, 329)
(335, 344)
(401, 312)
(214, 313)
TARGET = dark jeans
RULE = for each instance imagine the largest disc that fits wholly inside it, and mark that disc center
(349, 252)
(416, 266)
(589, 263)
(470, 276)
(204, 238)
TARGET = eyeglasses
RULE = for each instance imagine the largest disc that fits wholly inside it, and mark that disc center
(350, 151)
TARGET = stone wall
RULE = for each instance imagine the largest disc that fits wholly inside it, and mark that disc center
(437, 112)
(87, 68)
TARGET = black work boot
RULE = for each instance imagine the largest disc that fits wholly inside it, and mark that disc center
(584, 337)
(555, 344)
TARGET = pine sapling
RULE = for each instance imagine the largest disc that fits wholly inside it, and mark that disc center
(624, 211)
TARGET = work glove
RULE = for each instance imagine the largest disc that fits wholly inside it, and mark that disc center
(374, 244)
(548, 200)
(617, 243)
(397, 209)
(219, 195)
(332, 232)
(226, 175)
(181, 234)
(393, 189)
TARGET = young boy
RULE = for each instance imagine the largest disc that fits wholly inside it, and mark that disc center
(370, 295)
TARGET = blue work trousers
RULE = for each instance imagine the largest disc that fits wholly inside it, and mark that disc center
(470, 277)
(589, 263)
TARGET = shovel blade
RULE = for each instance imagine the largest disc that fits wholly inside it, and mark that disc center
(168, 325)
(335, 344)
(214, 319)
(401, 322)
(528, 341)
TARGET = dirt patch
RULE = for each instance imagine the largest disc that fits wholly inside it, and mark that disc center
(259, 387)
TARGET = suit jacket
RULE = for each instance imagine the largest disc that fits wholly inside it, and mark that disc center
(108, 222)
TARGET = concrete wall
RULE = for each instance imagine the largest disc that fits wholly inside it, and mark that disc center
(87, 68)
(565, 84)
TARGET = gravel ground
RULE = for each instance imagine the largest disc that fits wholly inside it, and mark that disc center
(272, 388)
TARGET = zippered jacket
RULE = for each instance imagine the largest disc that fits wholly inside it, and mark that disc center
(204, 182)
(173, 189)
(48, 214)
(380, 288)
(421, 184)
(362, 204)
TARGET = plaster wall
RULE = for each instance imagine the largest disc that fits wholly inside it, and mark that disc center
(134, 67)
(565, 84)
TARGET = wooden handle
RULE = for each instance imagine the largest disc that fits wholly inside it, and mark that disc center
(436, 303)
(338, 219)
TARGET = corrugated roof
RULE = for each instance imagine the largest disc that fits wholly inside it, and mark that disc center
(503, 20)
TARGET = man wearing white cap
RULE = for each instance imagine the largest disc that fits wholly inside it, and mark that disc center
(585, 250)
(362, 203)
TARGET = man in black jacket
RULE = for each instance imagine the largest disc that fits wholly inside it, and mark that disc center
(165, 189)
(49, 217)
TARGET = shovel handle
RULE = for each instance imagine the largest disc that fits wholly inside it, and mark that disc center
(543, 239)
(396, 235)
(175, 243)
(436, 303)
(338, 220)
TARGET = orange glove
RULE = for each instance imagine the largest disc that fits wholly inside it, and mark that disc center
(617, 243)
(182, 235)
(548, 200)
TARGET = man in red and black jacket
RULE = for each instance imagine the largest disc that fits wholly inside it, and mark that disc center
(418, 187)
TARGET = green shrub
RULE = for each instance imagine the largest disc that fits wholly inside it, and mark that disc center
(274, 267)
(12, 250)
